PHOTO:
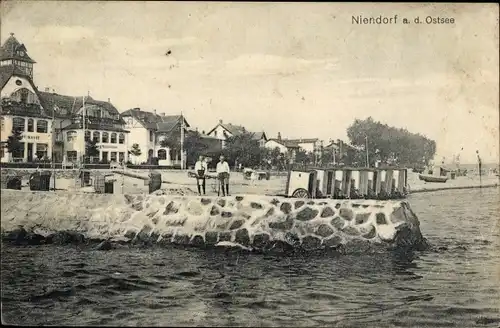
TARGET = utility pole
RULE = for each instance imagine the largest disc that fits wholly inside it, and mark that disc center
(182, 141)
(480, 168)
(83, 126)
(53, 144)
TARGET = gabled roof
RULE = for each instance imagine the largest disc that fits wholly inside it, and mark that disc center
(236, 130)
(69, 105)
(286, 143)
(6, 72)
(10, 48)
(169, 122)
(160, 123)
(310, 140)
(8, 106)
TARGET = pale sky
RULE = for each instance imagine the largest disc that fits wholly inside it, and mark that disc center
(302, 69)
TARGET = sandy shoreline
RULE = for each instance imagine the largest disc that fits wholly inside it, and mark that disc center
(136, 181)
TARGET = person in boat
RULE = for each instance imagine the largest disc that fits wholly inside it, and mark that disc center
(223, 175)
(200, 168)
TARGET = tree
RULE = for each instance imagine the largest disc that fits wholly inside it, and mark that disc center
(390, 144)
(172, 140)
(135, 151)
(244, 149)
(274, 158)
(91, 149)
(194, 146)
(303, 157)
(14, 144)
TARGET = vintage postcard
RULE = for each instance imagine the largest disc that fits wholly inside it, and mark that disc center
(249, 164)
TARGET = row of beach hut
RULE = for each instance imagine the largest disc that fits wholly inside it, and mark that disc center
(361, 183)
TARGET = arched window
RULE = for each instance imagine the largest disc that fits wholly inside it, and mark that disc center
(162, 154)
(24, 95)
(121, 138)
(31, 126)
(18, 123)
(87, 135)
(96, 136)
(105, 137)
(113, 137)
(42, 126)
(70, 136)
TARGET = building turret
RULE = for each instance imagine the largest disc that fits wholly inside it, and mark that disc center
(13, 53)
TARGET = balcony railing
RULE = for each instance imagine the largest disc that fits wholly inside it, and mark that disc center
(9, 106)
(101, 123)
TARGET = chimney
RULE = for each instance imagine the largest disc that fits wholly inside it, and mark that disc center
(154, 111)
(279, 136)
(109, 100)
(220, 121)
(203, 132)
(163, 114)
(137, 108)
(53, 90)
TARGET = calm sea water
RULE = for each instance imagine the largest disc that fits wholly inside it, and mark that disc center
(454, 285)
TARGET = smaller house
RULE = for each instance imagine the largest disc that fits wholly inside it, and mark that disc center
(341, 150)
(285, 146)
(148, 130)
(223, 131)
(312, 145)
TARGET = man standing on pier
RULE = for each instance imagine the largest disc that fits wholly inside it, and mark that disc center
(223, 175)
(200, 168)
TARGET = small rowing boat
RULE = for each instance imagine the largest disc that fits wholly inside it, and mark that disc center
(432, 178)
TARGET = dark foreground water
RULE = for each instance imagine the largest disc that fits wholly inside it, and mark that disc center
(454, 285)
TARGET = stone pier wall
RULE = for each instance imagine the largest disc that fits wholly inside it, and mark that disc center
(258, 222)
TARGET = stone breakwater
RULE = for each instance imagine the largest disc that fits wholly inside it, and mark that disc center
(256, 222)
